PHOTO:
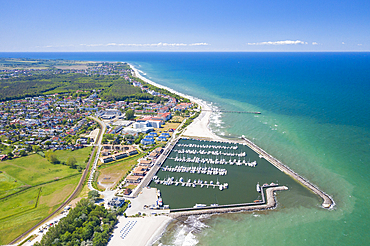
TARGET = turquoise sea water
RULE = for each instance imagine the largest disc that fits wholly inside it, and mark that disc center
(315, 118)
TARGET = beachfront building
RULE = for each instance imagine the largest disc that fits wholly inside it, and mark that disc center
(147, 141)
(182, 106)
(145, 163)
(133, 179)
(162, 138)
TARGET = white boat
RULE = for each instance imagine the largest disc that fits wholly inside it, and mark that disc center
(258, 187)
(200, 205)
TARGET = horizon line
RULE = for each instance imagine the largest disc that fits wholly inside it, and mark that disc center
(182, 51)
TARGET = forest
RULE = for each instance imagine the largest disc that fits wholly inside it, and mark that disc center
(86, 224)
(113, 87)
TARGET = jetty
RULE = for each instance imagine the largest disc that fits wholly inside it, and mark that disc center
(269, 203)
(328, 202)
(233, 112)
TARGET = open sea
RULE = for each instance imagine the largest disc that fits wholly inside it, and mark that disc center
(315, 118)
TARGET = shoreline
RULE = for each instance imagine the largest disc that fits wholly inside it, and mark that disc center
(200, 126)
(199, 129)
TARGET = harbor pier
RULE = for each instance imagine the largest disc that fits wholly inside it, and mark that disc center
(328, 202)
(270, 204)
(157, 165)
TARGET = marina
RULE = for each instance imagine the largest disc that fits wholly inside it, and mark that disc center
(216, 174)
(191, 183)
(198, 170)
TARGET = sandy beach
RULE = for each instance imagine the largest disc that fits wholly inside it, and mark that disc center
(140, 231)
(199, 127)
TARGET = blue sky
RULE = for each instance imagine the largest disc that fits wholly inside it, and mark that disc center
(192, 25)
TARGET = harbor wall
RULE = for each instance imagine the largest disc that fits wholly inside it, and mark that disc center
(328, 202)
(270, 204)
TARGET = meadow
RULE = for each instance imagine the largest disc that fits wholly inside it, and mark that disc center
(31, 188)
(19, 212)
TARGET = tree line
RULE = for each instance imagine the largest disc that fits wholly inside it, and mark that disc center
(86, 224)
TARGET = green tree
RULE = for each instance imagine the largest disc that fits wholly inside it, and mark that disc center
(36, 148)
(29, 148)
(93, 194)
(52, 158)
(22, 152)
(71, 162)
(10, 155)
(130, 114)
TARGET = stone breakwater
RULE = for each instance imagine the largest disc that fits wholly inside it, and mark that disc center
(270, 204)
(328, 202)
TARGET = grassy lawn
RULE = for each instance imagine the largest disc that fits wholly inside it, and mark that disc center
(110, 174)
(166, 127)
(34, 169)
(21, 219)
(80, 155)
(8, 184)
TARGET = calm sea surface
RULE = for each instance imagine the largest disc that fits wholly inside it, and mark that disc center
(315, 118)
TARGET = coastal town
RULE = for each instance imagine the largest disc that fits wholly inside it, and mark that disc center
(45, 125)
(131, 148)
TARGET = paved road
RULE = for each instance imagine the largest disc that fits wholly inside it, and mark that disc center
(98, 145)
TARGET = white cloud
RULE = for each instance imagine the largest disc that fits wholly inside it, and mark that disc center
(359, 44)
(199, 44)
(278, 42)
(147, 45)
(314, 43)
(343, 43)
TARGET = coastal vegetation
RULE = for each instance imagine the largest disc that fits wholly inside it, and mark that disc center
(86, 224)
(115, 86)
(61, 76)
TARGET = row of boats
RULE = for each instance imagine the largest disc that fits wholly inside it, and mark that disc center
(198, 170)
(209, 152)
(208, 146)
(190, 183)
(222, 161)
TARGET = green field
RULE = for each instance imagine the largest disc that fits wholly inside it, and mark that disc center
(34, 169)
(111, 173)
(18, 212)
(37, 187)
(8, 184)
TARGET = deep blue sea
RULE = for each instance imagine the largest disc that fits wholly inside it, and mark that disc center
(315, 118)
